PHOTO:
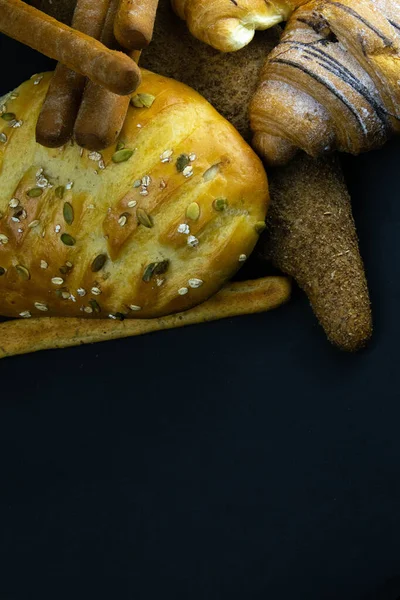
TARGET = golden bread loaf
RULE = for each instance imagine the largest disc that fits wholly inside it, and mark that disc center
(228, 25)
(154, 225)
(333, 81)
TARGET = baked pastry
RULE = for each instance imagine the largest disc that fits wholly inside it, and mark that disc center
(153, 225)
(311, 236)
(228, 25)
(333, 81)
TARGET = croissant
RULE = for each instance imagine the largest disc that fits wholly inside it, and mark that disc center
(229, 25)
(154, 225)
(332, 83)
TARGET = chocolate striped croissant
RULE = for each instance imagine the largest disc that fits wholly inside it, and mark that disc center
(333, 82)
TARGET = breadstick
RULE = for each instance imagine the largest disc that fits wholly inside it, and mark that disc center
(134, 23)
(60, 108)
(240, 298)
(102, 113)
(78, 51)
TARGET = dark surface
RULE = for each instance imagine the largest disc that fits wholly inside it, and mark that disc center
(243, 459)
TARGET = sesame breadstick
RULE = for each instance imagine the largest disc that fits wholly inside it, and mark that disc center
(134, 23)
(240, 298)
(57, 117)
(81, 53)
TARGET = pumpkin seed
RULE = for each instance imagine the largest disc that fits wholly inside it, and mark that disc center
(122, 155)
(65, 269)
(182, 162)
(99, 262)
(68, 240)
(119, 316)
(23, 272)
(143, 100)
(95, 306)
(68, 213)
(2, 271)
(144, 219)
(35, 192)
(220, 204)
(193, 211)
(260, 226)
(8, 116)
(161, 267)
(59, 192)
(41, 306)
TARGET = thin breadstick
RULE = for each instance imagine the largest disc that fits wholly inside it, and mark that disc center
(102, 113)
(78, 51)
(60, 108)
(134, 23)
(23, 336)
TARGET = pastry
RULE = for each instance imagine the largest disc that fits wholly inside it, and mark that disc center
(228, 25)
(311, 236)
(333, 81)
(154, 225)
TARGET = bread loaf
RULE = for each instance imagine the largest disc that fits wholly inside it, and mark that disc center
(154, 225)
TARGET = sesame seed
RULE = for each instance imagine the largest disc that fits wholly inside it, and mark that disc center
(25, 314)
(166, 155)
(72, 297)
(39, 172)
(134, 307)
(132, 204)
(3, 239)
(43, 264)
(184, 228)
(57, 280)
(101, 164)
(187, 171)
(183, 291)
(138, 125)
(137, 183)
(96, 156)
(14, 94)
(88, 309)
(81, 292)
(110, 316)
(57, 228)
(144, 192)
(96, 291)
(69, 264)
(42, 181)
(242, 258)
(146, 180)
(192, 241)
(38, 80)
(41, 306)
(16, 124)
(65, 295)
(192, 157)
(20, 230)
(163, 185)
(81, 152)
(13, 203)
(195, 283)
(69, 185)
(160, 281)
(15, 219)
(33, 224)
(3, 138)
(122, 221)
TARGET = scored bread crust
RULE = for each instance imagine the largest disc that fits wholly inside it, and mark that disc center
(228, 25)
(83, 234)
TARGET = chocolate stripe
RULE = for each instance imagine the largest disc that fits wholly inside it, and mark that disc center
(342, 72)
(326, 84)
(353, 13)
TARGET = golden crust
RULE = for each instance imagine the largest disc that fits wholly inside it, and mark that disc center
(38, 227)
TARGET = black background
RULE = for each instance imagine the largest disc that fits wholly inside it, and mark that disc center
(240, 459)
